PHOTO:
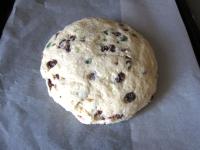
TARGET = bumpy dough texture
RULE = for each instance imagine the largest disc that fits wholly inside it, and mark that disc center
(100, 70)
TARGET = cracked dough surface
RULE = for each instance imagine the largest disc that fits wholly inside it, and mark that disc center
(100, 70)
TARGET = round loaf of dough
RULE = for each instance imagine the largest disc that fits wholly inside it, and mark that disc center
(100, 70)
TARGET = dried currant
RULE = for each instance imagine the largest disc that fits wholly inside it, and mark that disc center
(99, 112)
(112, 48)
(128, 58)
(116, 33)
(104, 48)
(117, 116)
(56, 76)
(120, 77)
(64, 44)
(91, 76)
(50, 84)
(125, 29)
(72, 37)
(133, 34)
(121, 24)
(128, 62)
(116, 62)
(51, 63)
(68, 49)
(98, 116)
(123, 49)
(129, 97)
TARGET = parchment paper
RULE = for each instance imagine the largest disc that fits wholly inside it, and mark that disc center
(30, 120)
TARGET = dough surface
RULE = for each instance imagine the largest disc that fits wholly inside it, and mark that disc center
(100, 70)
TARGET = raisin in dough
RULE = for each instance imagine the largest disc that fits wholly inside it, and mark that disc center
(100, 70)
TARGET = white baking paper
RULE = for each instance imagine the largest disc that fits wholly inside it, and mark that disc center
(30, 120)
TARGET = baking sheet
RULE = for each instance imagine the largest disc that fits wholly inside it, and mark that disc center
(29, 119)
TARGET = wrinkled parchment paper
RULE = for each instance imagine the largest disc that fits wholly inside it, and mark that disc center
(30, 120)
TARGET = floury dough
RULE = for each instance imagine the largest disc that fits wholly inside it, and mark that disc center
(100, 70)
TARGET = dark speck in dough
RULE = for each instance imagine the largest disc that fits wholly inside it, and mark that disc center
(48, 45)
(88, 61)
(105, 32)
(116, 62)
(82, 39)
(144, 72)
(124, 38)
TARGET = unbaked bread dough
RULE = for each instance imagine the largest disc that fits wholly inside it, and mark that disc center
(100, 70)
